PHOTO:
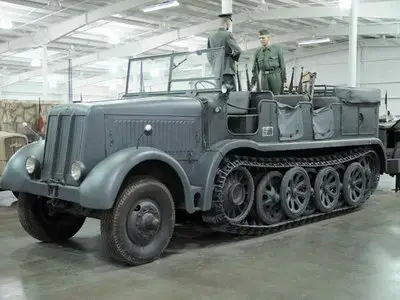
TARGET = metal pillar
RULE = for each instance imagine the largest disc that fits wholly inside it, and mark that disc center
(70, 97)
(353, 44)
(226, 8)
(45, 90)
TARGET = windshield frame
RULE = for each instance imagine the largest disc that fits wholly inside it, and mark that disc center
(171, 56)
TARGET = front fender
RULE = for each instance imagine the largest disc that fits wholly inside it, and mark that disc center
(100, 188)
(14, 177)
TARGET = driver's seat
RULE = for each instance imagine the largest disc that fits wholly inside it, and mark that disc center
(238, 103)
(240, 121)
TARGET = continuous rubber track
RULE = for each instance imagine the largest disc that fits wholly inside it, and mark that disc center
(216, 219)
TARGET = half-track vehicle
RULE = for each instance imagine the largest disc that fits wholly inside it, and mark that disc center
(245, 162)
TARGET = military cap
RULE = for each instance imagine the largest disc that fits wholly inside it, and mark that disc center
(228, 15)
(263, 32)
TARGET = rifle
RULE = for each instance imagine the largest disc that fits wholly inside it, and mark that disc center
(291, 81)
(258, 77)
(248, 79)
(238, 79)
(300, 87)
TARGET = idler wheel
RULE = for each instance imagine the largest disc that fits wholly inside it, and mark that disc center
(238, 193)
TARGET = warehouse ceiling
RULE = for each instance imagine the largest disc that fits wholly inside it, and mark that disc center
(98, 35)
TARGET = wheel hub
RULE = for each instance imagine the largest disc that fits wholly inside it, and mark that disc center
(143, 222)
(237, 193)
(149, 222)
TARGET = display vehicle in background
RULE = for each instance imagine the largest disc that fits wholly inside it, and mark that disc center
(243, 162)
(10, 143)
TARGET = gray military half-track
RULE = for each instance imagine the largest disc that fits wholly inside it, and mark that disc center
(243, 162)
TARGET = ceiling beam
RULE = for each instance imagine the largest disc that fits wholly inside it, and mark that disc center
(289, 58)
(142, 46)
(379, 9)
(56, 31)
(327, 32)
(323, 50)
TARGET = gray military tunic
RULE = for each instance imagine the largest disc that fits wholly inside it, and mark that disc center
(223, 38)
(272, 67)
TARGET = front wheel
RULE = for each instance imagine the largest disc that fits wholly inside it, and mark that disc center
(140, 225)
(45, 224)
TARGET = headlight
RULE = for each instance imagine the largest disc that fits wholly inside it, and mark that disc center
(224, 89)
(31, 165)
(77, 170)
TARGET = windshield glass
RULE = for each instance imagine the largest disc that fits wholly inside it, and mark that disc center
(175, 72)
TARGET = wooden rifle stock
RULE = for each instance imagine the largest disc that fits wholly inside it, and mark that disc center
(300, 87)
(291, 81)
(238, 79)
(258, 77)
(248, 79)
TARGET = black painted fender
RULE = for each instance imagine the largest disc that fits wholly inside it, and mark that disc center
(204, 173)
(15, 177)
(100, 188)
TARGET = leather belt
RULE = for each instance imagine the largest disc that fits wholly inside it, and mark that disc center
(270, 71)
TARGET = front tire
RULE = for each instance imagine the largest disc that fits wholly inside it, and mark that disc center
(37, 219)
(140, 225)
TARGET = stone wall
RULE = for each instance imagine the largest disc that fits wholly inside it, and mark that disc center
(13, 113)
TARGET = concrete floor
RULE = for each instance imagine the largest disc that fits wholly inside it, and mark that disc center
(351, 257)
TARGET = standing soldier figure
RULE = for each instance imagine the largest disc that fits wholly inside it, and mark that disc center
(269, 61)
(223, 38)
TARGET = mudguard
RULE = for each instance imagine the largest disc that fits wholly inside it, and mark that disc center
(100, 188)
(15, 177)
(205, 171)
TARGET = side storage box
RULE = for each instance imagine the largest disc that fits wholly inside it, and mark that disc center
(326, 118)
(360, 110)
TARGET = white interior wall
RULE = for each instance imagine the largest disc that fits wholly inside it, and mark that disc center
(31, 91)
(378, 67)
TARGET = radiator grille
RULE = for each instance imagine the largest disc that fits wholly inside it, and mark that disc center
(63, 145)
(12, 145)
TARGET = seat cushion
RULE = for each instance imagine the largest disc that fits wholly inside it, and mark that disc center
(291, 100)
(240, 100)
(320, 102)
(358, 94)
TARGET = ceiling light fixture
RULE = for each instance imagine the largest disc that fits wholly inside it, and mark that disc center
(166, 4)
(113, 39)
(345, 4)
(5, 23)
(313, 42)
(35, 62)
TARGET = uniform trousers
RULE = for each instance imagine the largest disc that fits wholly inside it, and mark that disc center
(272, 81)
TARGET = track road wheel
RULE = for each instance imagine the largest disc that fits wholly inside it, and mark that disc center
(311, 208)
(295, 192)
(370, 163)
(354, 184)
(140, 225)
(327, 189)
(43, 223)
(268, 200)
(340, 169)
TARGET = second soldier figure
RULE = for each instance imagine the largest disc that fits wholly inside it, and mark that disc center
(268, 60)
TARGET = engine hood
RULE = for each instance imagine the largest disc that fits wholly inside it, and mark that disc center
(156, 105)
